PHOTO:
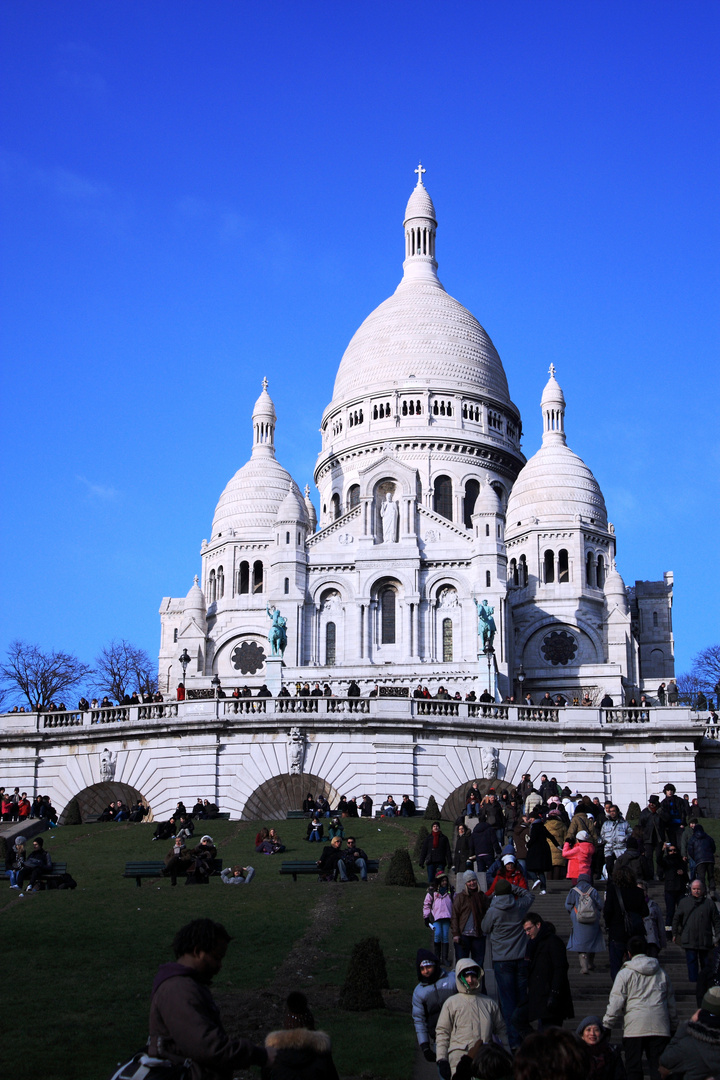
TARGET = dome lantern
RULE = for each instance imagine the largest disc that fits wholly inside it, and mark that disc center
(552, 404)
(420, 227)
(264, 418)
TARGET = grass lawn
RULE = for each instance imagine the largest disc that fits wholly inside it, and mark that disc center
(82, 962)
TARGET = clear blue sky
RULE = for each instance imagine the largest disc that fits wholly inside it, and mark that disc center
(195, 195)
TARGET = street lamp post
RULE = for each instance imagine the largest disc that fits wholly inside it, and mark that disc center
(521, 680)
(184, 659)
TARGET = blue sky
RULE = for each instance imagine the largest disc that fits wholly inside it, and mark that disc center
(195, 195)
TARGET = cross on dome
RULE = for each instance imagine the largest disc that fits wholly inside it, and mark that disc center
(551, 371)
(420, 172)
(264, 382)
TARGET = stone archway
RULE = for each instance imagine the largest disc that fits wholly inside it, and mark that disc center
(91, 801)
(455, 803)
(273, 799)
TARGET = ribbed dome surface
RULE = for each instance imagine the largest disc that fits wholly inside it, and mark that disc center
(254, 495)
(555, 483)
(420, 205)
(420, 330)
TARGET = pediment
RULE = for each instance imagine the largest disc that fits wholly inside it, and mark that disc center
(434, 529)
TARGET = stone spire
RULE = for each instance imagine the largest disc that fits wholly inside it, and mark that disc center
(420, 226)
(264, 418)
(552, 404)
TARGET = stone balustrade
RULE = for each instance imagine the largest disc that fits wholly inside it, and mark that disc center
(383, 709)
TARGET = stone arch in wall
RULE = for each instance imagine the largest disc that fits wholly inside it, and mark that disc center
(455, 803)
(91, 801)
(275, 797)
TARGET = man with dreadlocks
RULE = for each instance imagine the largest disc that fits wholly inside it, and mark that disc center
(184, 1019)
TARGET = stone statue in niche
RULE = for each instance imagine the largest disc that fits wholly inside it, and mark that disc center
(448, 598)
(296, 750)
(489, 759)
(389, 515)
(107, 765)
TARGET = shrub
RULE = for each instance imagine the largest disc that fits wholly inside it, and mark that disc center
(432, 810)
(366, 977)
(633, 812)
(400, 871)
(421, 838)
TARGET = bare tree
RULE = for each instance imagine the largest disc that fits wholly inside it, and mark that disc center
(121, 668)
(706, 667)
(41, 677)
(689, 686)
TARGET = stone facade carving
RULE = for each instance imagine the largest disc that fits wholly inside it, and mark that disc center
(107, 765)
(296, 750)
(489, 757)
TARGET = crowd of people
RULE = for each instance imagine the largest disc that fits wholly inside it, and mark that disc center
(16, 806)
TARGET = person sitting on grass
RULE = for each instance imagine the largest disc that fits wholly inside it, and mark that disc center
(315, 830)
(201, 867)
(237, 875)
(37, 863)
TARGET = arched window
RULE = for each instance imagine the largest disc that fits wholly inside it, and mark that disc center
(590, 570)
(488, 579)
(442, 497)
(212, 588)
(563, 565)
(549, 567)
(523, 571)
(335, 504)
(387, 615)
(353, 496)
(655, 618)
(257, 576)
(220, 583)
(513, 573)
(487, 528)
(330, 643)
(447, 642)
(472, 490)
(175, 634)
(287, 585)
(600, 572)
(244, 578)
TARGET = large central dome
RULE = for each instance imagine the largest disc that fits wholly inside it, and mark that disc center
(421, 331)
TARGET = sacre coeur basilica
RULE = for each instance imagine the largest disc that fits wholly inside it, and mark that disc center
(438, 556)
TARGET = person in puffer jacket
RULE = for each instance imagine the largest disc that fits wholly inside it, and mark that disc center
(301, 1052)
(434, 987)
(437, 909)
(465, 1018)
(643, 996)
(579, 856)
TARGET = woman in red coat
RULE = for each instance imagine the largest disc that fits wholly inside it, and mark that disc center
(579, 856)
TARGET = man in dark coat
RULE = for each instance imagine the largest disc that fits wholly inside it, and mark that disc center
(696, 927)
(485, 845)
(549, 996)
(673, 813)
(652, 831)
(701, 849)
(184, 1019)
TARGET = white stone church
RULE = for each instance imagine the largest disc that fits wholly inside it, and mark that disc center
(427, 506)
(428, 512)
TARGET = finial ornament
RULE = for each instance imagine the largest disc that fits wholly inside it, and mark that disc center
(551, 370)
(196, 579)
(307, 491)
(265, 382)
(420, 172)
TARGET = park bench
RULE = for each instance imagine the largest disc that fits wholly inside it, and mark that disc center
(293, 815)
(140, 870)
(52, 879)
(303, 867)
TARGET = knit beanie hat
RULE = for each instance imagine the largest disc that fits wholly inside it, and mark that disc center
(297, 1012)
(503, 887)
(711, 1001)
(586, 1023)
(582, 835)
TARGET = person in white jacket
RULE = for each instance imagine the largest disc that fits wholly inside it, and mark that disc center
(465, 1018)
(642, 995)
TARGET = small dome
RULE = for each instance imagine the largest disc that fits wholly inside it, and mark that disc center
(292, 508)
(195, 600)
(555, 484)
(420, 205)
(311, 512)
(552, 394)
(614, 588)
(253, 497)
(264, 405)
(488, 500)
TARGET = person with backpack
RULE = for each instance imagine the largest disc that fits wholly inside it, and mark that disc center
(584, 906)
(579, 855)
